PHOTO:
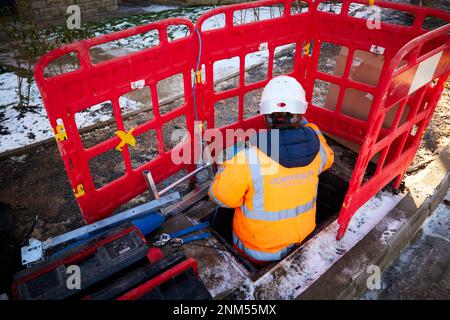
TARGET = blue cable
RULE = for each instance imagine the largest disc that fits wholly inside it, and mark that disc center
(196, 71)
(195, 98)
(214, 216)
(200, 49)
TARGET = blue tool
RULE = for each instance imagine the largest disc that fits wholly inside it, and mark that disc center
(145, 215)
(174, 237)
(145, 224)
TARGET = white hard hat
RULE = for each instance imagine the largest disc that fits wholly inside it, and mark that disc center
(283, 94)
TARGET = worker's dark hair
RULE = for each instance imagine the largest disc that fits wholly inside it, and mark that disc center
(283, 120)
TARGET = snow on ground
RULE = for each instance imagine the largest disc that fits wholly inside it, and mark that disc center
(20, 129)
(392, 227)
(31, 126)
(125, 8)
(419, 270)
(227, 276)
(432, 226)
(158, 8)
(322, 251)
(412, 180)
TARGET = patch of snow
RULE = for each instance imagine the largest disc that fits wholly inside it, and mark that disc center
(413, 180)
(433, 225)
(372, 294)
(158, 8)
(330, 7)
(223, 276)
(393, 227)
(436, 226)
(225, 67)
(20, 129)
(9, 90)
(32, 126)
(358, 10)
(19, 159)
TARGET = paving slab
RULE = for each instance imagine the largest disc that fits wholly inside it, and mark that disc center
(422, 271)
(347, 278)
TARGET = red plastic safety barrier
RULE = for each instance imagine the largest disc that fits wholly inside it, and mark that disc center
(410, 52)
(65, 95)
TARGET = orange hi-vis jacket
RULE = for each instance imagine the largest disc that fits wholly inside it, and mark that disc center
(275, 206)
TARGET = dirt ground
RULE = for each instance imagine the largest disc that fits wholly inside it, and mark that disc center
(36, 184)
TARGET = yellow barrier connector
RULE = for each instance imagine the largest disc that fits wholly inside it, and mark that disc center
(60, 133)
(371, 2)
(200, 126)
(198, 77)
(80, 191)
(306, 49)
(126, 138)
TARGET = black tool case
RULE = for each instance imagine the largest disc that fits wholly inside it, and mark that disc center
(98, 259)
(116, 265)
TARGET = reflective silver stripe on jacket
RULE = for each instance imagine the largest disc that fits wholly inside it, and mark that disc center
(277, 215)
(323, 157)
(258, 212)
(323, 153)
(261, 255)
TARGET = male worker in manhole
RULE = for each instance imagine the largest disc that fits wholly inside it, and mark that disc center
(275, 210)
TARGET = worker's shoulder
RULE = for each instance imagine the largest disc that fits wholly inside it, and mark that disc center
(317, 131)
(313, 126)
(238, 158)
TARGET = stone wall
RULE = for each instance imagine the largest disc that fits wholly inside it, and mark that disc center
(54, 11)
(181, 2)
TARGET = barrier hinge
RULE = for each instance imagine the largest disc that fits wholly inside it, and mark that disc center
(198, 77)
(79, 192)
(60, 132)
(306, 49)
(126, 138)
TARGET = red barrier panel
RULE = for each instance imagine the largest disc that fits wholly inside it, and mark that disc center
(65, 95)
(409, 53)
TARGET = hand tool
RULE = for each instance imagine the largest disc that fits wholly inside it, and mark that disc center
(175, 239)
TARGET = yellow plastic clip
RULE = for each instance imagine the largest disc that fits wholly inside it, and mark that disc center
(198, 77)
(126, 138)
(371, 2)
(80, 191)
(60, 133)
(306, 49)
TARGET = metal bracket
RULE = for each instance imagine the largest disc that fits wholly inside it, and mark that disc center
(33, 252)
(152, 185)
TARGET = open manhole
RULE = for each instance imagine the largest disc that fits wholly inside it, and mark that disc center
(331, 193)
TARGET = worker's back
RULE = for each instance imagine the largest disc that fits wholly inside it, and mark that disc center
(274, 193)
